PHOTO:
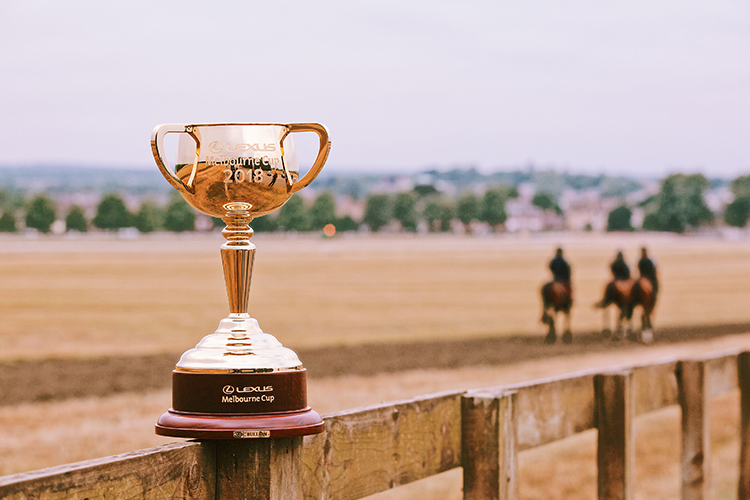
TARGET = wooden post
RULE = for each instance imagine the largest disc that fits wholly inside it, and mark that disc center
(488, 446)
(258, 469)
(615, 409)
(743, 375)
(692, 383)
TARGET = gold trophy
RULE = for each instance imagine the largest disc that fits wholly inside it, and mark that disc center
(238, 382)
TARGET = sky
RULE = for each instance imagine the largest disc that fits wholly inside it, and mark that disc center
(648, 88)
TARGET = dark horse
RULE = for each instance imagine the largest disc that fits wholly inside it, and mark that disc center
(558, 297)
(627, 295)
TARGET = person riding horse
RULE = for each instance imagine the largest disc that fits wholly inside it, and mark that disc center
(557, 295)
(647, 269)
(619, 268)
(627, 293)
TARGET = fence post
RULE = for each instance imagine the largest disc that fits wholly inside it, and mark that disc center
(488, 446)
(259, 469)
(615, 407)
(692, 382)
(743, 374)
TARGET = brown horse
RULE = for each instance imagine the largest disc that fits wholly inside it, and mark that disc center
(627, 295)
(557, 297)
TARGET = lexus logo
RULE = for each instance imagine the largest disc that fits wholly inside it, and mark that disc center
(228, 389)
(216, 147)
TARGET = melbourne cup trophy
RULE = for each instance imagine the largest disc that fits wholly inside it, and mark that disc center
(238, 382)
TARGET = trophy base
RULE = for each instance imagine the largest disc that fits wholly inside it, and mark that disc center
(272, 425)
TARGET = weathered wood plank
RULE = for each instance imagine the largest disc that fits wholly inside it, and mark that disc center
(615, 409)
(693, 382)
(259, 469)
(369, 450)
(184, 470)
(743, 377)
(489, 454)
(655, 386)
(723, 370)
(553, 409)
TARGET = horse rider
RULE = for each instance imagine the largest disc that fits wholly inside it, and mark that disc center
(647, 269)
(619, 268)
(560, 268)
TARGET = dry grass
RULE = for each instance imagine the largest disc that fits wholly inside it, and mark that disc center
(104, 297)
(101, 297)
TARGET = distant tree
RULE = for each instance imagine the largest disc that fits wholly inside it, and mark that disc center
(546, 201)
(438, 213)
(741, 186)
(405, 212)
(493, 208)
(467, 209)
(76, 219)
(292, 216)
(619, 219)
(323, 211)
(149, 217)
(111, 213)
(377, 212)
(179, 216)
(8, 221)
(737, 213)
(346, 223)
(41, 213)
(262, 224)
(680, 205)
(423, 190)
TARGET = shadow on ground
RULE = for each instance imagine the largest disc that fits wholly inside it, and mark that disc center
(56, 379)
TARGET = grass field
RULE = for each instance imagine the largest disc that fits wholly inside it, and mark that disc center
(99, 297)
(84, 297)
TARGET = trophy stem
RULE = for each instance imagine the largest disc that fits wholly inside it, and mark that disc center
(237, 255)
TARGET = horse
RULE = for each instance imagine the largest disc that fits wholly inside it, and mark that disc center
(644, 295)
(558, 297)
(627, 295)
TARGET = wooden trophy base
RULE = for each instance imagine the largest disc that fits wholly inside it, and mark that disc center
(238, 406)
(273, 425)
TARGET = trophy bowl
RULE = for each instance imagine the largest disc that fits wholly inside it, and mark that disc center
(238, 382)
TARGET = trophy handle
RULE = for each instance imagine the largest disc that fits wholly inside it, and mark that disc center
(325, 147)
(157, 148)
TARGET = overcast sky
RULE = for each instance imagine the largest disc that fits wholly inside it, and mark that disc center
(647, 88)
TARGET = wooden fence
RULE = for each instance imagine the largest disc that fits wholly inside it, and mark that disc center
(368, 450)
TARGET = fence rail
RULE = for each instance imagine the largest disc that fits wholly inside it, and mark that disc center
(369, 450)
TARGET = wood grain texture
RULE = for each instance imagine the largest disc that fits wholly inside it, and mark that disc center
(615, 410)
(743, 376)
(489, 448)
(370, 450)
(184, 470)
(554, 409)
(693, 381)
(259, 469)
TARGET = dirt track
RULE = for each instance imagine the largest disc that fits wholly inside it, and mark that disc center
(56, 379)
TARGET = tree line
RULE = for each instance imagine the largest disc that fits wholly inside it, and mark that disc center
(111, 214)
(679, 206)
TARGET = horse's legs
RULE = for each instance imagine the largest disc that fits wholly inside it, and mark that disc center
(567, 337)
(606, 331)
(647, 331)
(549, 320)
(617, 335)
